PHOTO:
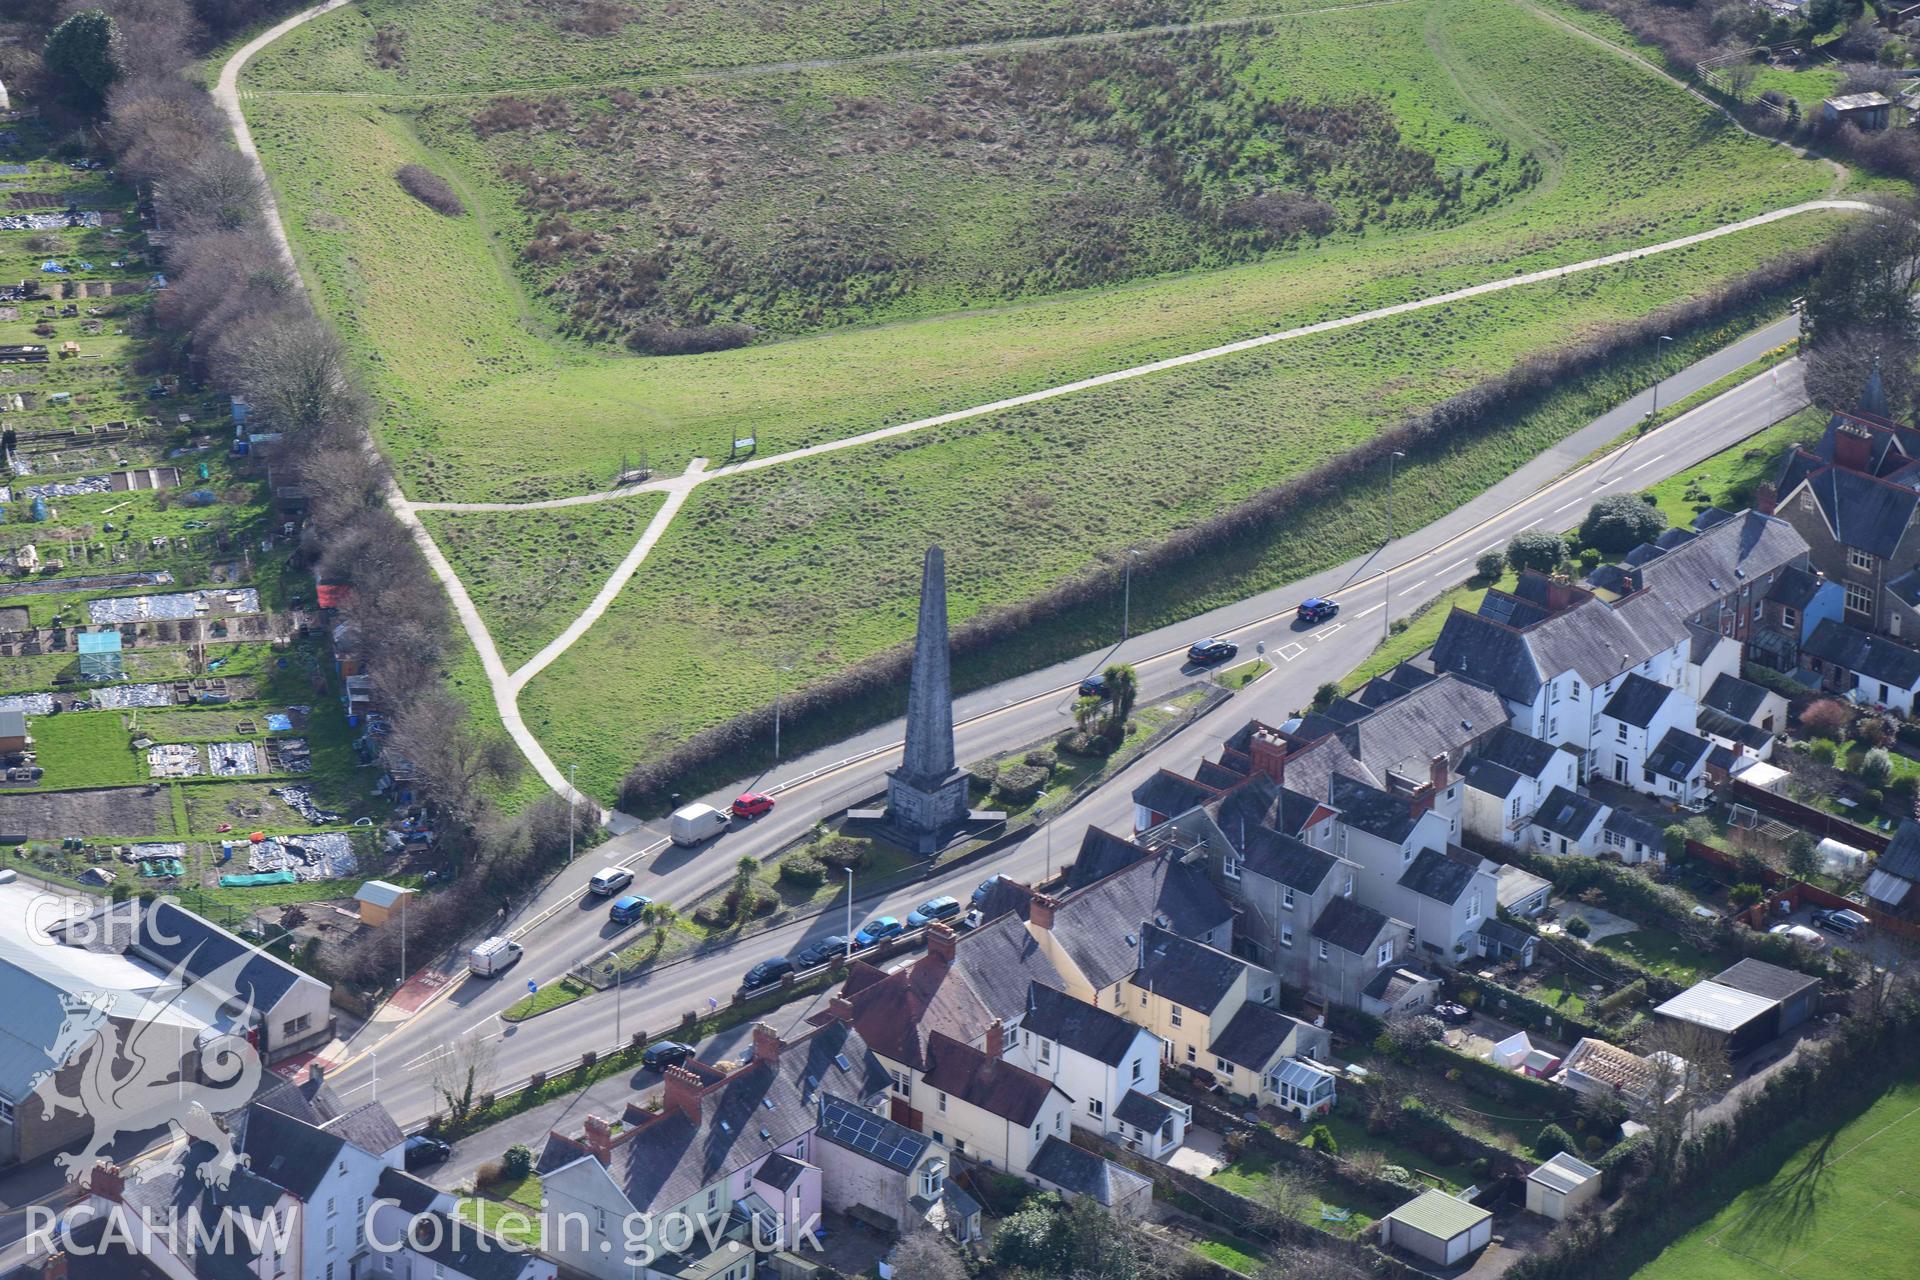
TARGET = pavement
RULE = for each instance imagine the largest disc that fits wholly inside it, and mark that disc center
(560, 927)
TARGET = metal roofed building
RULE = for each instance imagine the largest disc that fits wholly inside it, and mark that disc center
(1558, 1188)
(1438, 1227)
(1744, 1020)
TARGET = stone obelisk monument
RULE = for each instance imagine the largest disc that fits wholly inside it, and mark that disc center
(927, 795)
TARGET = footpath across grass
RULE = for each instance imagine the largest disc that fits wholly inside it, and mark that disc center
(1845, 1206)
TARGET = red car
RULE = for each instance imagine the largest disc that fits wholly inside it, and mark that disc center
(752, 805)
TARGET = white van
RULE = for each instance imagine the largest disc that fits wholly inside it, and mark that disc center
(493, 957)
(696, 822)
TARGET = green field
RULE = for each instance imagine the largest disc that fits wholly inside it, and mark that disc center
(1846, 1205)
(499, 386)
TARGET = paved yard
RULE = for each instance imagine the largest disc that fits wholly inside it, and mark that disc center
(1202, 1155)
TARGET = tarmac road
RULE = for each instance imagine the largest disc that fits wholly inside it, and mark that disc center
(559, 928)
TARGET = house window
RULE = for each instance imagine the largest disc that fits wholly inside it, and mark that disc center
(1266, 995)
(1224, 1067)
(1118, 998)
(1191, 1056)
(1473, 905)
(1143, 999)
(941, 1102)
(1046, 1048)
(295, 1026)
(1323, 951)
(940, 1137)
(1386, 952)
(1059, 1118)
(1286, 898)
(930, 1180)
(1576, 688)
(1136, 1070)
(1513, 814)
(1349, 892)
(1553, 726)
(900, 1083)
(800, 1149)
(713, 1198)
(1038, 1129)
(1230, 867)
(1859, 559)
(1620, 732)
(1174, 1013)
(1406, 854)
(329, 1237)
(1859, 598)
(1789, 618)
(1286, 935)
(1096, 1108)
(6, 1110)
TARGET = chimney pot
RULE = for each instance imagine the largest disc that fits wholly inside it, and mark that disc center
(682, 1092)
(996, 1039)
(108, 1182)
(1851, 447)
(841, 1009)
(940, 942)
(54, 1267)
(1040, 914)
(766, 1043)
(1766, 498)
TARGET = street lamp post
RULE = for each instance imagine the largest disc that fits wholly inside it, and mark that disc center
(573, 801)
(1657, 379)
(1386, 573)
(619, 991)
(849, 915)
(779, 687)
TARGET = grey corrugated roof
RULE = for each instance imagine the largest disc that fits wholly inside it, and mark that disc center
(1902, 856)
(1285, 859)
(1086, 1029)
(1442, 876)
(1678, 754)
(1440, 1215)
(1369, 809)
(1253, 1036)
(1709, 1004)
(1349, 926)
(1637, 700)
(1739, 698)
(1759, 978)
(1870, 655)
(1188, 973)
(1568, 813)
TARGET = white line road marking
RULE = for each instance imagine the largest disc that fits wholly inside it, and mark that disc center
(1608, 483)
(1649, 462)
(1529, 524)
(1415, 587)
(1562, 507)
(1287, 653)
(1457, 563)
(1335, 627)
(1376, 608)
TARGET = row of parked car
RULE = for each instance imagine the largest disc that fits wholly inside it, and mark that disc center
(875, 931)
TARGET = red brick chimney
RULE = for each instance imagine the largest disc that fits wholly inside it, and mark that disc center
(1040, 914)
(1766, 498)
(1269, 756)
(996, 1038)
(598, 1139)
(108, 1182)
(841, 1010)
(766, 1043)
(1438, 772)
(682, 1092)
(1851, 446)
(940, 942)
(1559, 595)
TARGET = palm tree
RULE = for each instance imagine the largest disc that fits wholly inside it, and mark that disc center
(1123, 689)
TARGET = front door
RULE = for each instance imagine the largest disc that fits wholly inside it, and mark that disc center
(1619, 769)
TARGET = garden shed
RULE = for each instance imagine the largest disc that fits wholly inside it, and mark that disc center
(1438, 1227)
(1561, 1186)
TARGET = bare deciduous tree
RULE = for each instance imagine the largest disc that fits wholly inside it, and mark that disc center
(463, 1073)
(925, 1255)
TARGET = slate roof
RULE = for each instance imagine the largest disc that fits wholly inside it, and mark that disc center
(1217, 776)
(1907, 587)
(1253, 1036)
(1738, 551)
(779, 1171)
(1508, 935)
(1863, 511)
(1186, 972)
(1093, 924)
(369, 1128)
(1349, 926)
(1493, 778)
(1678, 754)
(994, 1085)
(1567, 813)
(1638, 700)
(1369, 809)
(999, 961)
(1634, 827)
(171, 935)
(1711, 518)
(1489, 652)
(1739, 698)
(1440, 718)
(1441, 876)
(1872, 656)
(288, 1152)
(1674, 537)
(1757, 977)
(1083, 1173)
(1286, 859)
(465, 1250)
(313, 1101)
(1247, 805)
(1794, 587)
(1524, 754)
(1144, 1111)
(1902, 856)
(1101, 854)
(1516, 885)
(849, 1125)
(669, 1158)
(1721, 725)
(412, 1194)
(166, 1190)
(1074, 1024)
(1169, 793)
(1391, 982)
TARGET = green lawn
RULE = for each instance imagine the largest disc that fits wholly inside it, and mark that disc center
(1250, 1175)
(1422, 629)
(1245, 674)
(1664, 952)
(1727, 480)
(1844, 1206)
(87, 749)
(551, 996)
(1568, 995)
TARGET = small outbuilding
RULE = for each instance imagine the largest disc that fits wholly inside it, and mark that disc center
(1867, 111)
(1796, 995)
(1438, 1227)
(1744, 1021)
(13, 731)
(379, 900)
(1560, 1186)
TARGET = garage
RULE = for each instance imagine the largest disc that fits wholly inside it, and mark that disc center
(1796, 994)
(1438, 1227)
(1742, 1020)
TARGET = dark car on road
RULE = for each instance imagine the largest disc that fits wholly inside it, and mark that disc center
(1094, 686)
(667, 1053)
(933, 909)
(1211, 650)
(629, 907)
(986, 887)
(1316, 610)
(825, 951)
(421, 1151)
(878, 929)
(766, 973)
